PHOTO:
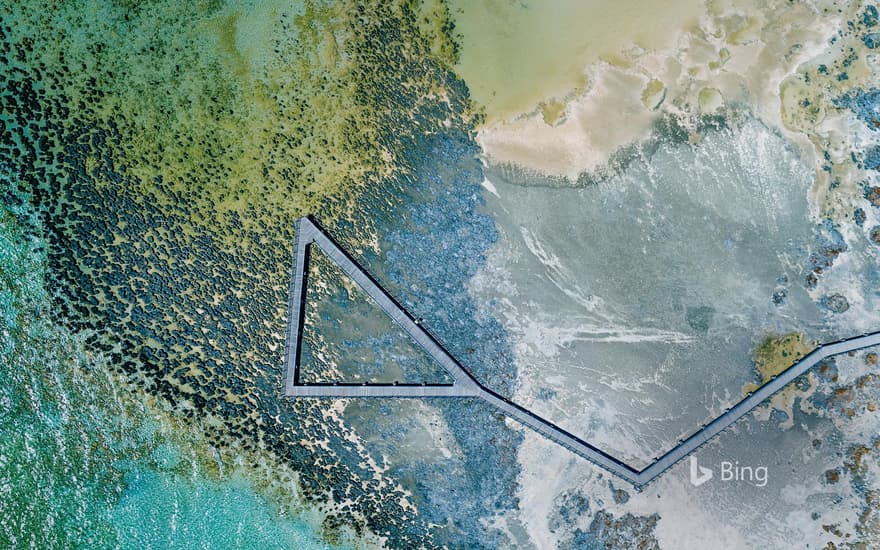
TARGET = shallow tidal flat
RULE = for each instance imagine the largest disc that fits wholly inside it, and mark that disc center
(677, 224)
(633, 304)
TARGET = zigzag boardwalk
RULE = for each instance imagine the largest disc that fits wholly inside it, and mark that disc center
(464, 385)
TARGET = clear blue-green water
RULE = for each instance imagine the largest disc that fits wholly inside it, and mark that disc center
(82, 465)
(172, 511)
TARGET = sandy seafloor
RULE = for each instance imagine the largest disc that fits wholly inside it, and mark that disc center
(618, 217)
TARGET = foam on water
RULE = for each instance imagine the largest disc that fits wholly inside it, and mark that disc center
(634, 304)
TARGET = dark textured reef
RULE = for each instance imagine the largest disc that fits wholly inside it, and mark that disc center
(434, 238)
(187, 294)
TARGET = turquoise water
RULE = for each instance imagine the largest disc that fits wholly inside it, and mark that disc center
(167, 511)
(84, 466)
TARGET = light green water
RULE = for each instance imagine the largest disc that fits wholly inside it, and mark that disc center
(514, 55)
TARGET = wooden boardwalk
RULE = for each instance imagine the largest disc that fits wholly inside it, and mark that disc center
(464, 385)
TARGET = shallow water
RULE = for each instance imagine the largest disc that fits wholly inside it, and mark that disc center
(635, 303)
(515, 55)
(170, 511)
(82, 463)
(348, 338)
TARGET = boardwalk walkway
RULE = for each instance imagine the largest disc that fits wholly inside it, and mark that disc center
(464, 385)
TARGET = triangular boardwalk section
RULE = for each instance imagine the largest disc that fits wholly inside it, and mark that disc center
(308, 234)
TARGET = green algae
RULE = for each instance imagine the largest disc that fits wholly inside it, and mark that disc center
(205, 109)
(437, 26)
(169, 147)
(259, 105)
(776, 353)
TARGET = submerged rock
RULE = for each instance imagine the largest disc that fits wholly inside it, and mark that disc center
(871, 16)
(871, 40)
(831, 244)
(700, 318)
(873, 195)
(835, 303)
(627, 531)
